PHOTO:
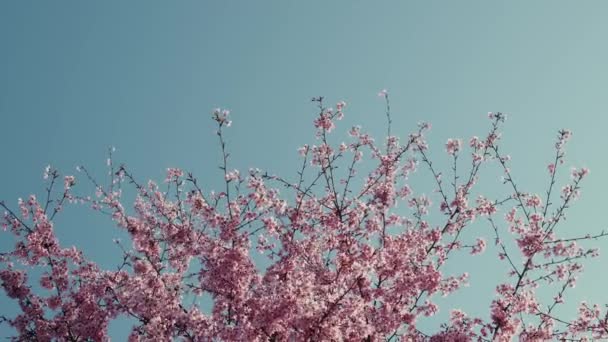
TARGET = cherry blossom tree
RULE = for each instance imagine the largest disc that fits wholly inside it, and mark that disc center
(348, 250)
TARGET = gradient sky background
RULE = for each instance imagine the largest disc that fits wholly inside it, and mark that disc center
(77, 77)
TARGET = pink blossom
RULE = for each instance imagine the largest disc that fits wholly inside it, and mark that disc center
(533, 201)
(173, 174)
(340, 105)
(232, 176)
(303, 150)
(221, 116)
(579, 173)
(476, 143)
(68, 182)
(479, 247)
(354, 131)
(324, 122)
(453, 146)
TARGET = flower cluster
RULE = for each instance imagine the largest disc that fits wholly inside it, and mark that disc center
(341, 252)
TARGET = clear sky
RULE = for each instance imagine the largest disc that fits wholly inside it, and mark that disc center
(79, 76)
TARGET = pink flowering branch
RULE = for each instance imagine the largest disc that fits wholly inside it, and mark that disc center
(332, 258)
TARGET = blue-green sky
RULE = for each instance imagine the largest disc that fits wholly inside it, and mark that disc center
(78, 76)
